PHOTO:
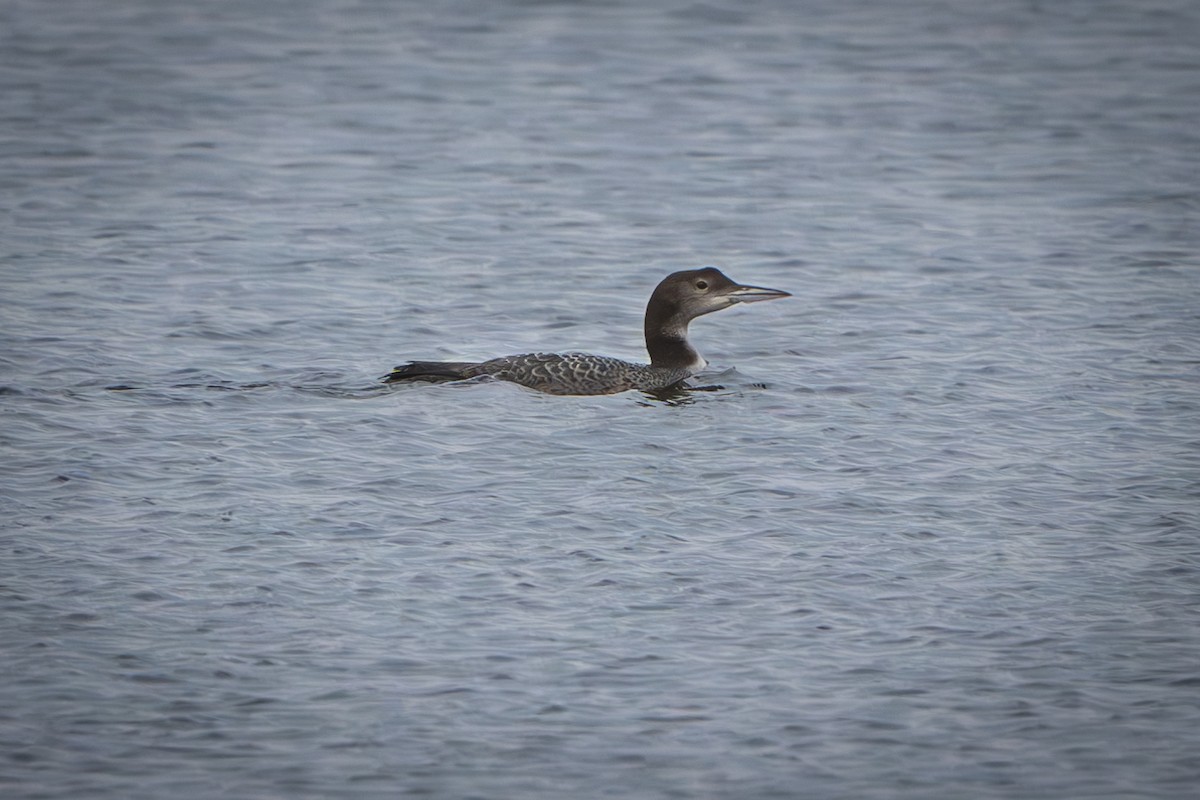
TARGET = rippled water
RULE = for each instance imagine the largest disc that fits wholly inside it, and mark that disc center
(936, 537)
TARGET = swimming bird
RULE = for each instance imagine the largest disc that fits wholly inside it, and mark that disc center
(676, 301)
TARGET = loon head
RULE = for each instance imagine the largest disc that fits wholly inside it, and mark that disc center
(683, 296)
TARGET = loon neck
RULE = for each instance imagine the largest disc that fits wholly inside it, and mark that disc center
(667, 337)
(673, 352)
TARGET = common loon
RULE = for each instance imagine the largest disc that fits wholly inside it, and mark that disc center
(679, 299)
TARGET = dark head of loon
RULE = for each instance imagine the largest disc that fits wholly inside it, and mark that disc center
(683, 296)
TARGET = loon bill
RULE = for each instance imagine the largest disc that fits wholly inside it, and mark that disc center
(679, 299)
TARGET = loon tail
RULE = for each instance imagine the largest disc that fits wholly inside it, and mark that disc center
(429, 371)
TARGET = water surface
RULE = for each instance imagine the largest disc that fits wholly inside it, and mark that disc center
(936, 537)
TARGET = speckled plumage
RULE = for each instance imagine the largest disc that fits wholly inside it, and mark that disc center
(578, 373)
(678, 299)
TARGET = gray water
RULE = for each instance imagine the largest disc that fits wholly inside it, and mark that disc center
(935, 537)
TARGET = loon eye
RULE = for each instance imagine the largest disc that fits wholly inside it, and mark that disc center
(702, 284)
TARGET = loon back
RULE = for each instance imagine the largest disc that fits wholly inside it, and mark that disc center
(676, 301)
(552, 373)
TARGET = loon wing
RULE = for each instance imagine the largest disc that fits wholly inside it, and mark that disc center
(564, 373)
